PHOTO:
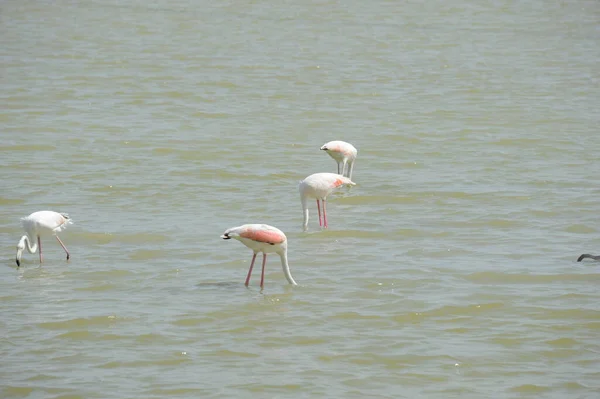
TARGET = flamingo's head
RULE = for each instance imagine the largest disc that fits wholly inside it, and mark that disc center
(225, 236)
(229, 234)
(233, 232)
(20, 248)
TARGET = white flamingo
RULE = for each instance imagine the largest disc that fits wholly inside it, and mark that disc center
(344, 154)
(38, 224)
(319, 186)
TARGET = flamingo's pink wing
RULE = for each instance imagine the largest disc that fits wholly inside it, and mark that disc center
(266, 236)
(337, 183)
(341, 148)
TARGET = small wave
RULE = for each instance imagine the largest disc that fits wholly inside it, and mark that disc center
(512, 278)
(80, 323)
(530, 388)
(174, 361)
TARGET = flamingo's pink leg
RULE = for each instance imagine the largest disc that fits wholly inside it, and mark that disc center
(63, 245)
(250, 270)
(40, 248)
(262, 276)
(324, 213)
(319, 209)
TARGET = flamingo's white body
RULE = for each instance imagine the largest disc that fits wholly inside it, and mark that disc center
(262, 238)
(42, 223)
(344, 154)
(319, 186)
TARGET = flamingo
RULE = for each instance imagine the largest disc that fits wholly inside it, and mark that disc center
(582, 257)
(344, 154)
(38, 224)
(319, 186)
(262, 238)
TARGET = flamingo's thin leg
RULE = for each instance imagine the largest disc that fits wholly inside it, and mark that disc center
(250, 270)
(324, 213)
(65, 248)
(40, 248)
(319, 209)
(262, 275)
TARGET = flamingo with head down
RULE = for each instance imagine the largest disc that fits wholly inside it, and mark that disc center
(344, 154)
(262, 238)
(37, 224)
(319, 186)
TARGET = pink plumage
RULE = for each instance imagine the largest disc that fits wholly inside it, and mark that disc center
(265, 236)
(262, 238)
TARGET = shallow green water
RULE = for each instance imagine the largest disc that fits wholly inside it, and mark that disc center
(448, 271)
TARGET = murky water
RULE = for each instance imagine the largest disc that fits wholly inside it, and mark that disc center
(448, 271)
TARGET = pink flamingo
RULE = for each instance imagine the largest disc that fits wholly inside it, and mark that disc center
(344, 154)
(41, 223)
(262, 238)
(319, 186)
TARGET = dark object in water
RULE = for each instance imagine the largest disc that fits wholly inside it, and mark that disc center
(582, 257)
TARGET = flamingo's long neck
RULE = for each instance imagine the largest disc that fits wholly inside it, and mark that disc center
(286, 267)
(31, 249)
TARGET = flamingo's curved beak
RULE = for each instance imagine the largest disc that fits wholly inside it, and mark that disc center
(226, 237)
(18, 257)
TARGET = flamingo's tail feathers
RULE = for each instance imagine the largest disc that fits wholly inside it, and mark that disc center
(67, 222)
(349, 182)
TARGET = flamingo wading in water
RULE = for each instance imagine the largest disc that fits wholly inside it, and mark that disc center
(344, 154)
(38, 224)
(319, 186)
(262, 238)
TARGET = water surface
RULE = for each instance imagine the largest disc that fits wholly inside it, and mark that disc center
(448, 271)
